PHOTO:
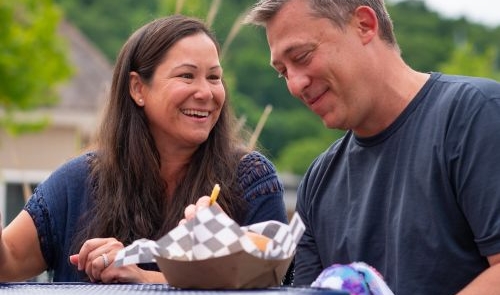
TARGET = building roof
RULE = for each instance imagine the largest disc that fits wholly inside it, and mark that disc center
(87, 89)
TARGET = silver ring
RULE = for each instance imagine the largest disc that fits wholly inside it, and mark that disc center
(105, 260)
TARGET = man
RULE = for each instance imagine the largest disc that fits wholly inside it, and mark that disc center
(413, 188)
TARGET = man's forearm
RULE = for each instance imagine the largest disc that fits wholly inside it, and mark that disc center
(487, 283)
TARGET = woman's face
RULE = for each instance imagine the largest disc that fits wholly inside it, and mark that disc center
(185, 96)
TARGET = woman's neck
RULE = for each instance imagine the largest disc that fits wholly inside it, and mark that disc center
(173, 169)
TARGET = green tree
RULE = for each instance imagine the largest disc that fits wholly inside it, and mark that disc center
(297, 156)
(32, 59)
(426, 38)
(109, 23)
(467, 60)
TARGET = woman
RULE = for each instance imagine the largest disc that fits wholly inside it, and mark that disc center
(165, 140)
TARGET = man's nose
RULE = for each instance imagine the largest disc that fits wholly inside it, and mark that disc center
(297, 82)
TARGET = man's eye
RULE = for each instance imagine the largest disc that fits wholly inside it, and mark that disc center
(302, 57)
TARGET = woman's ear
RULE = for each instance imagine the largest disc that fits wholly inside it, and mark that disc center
(137, 88)
(366, 23)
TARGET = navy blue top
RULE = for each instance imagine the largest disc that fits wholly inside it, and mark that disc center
(59, 201)
(420, 201)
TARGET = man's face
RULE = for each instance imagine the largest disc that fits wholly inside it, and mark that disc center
(319, 61)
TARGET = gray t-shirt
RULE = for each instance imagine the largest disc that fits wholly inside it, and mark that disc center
(420, 201)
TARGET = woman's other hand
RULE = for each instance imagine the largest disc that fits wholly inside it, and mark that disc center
(96, 258)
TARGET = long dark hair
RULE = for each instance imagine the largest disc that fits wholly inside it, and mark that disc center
(129, 196)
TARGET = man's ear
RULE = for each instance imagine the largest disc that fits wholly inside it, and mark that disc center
(366, 23)
(137, 88)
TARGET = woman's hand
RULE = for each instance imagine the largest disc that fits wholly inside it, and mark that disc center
(96, 258)
(190, 211)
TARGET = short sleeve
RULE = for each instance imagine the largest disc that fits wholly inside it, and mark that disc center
(39, 212)
(56, 206)
(476, 176)
(262, 189)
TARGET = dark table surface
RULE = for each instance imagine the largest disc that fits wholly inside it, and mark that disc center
(112, 289)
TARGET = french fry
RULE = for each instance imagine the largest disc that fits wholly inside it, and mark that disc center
(215, 194)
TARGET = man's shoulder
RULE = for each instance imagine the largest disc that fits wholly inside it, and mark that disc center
(483, 85)
(331, 156)
(331, 152)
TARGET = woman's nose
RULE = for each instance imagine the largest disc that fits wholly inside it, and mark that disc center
(204, 90)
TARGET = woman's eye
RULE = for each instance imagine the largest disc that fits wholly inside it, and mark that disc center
(186, 76)
(214, 77)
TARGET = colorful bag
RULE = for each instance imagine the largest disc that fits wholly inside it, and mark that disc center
(358, 278)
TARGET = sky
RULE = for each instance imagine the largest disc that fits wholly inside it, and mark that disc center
(479, 11)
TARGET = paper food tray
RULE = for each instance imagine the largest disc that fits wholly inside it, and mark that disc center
(211, 251)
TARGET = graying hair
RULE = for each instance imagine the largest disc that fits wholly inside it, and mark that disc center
(338, 11)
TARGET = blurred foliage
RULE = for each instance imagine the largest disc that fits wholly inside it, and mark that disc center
(467, 59)
(108, 23)
(32, 61)
(426, 39)
(296, 156)
(300, 153)
(292, 136)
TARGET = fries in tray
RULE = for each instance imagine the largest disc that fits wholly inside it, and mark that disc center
(212, 251)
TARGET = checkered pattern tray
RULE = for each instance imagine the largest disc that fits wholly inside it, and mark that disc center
(213, 234)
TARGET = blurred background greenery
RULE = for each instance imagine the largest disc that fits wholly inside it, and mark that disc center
(32, 59)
